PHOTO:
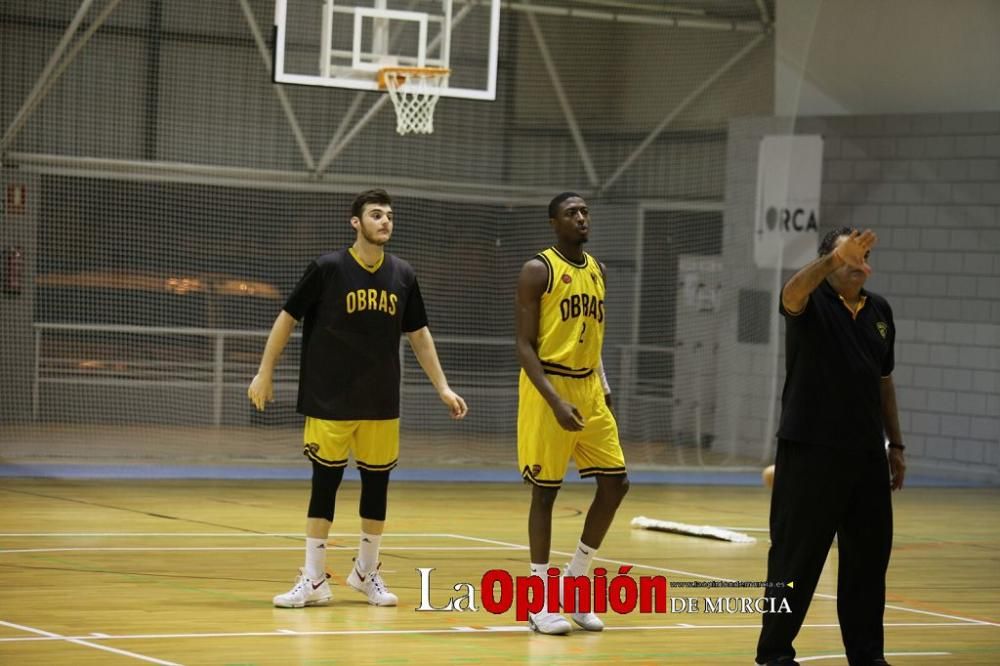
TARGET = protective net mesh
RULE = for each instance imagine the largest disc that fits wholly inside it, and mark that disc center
(174, 197)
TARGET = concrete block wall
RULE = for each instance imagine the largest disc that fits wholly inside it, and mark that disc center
(747, 392)
(929, 185)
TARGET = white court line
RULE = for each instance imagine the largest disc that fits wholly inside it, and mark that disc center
(922, 612)
(888, 654)
(482, 540)
(756, 625)
(497, 545)
(950, 617)
(707, 577)
(214, 534)
(85, 643)
(495, 542)
(141, 549)
(450, 630)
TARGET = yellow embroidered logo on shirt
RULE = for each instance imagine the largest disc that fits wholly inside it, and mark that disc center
(883, 329)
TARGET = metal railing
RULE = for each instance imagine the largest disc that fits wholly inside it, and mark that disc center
(114, 370)
(125, 356)
(105, 361)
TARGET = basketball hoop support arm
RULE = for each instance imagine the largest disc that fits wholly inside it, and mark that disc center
(691, 97)
(574, 127)
(286, 105)
(52, 72)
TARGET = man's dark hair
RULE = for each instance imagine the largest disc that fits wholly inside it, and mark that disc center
(830, 240)
(376, 196)
(557, 200)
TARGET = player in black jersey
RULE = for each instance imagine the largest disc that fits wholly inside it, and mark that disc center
(833, 473)
(355, 304)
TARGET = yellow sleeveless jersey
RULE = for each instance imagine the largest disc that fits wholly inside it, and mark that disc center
(571, 319)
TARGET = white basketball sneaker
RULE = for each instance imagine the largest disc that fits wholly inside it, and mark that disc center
(306, 592)
(588, 621)
(552, 624)
(372, 585)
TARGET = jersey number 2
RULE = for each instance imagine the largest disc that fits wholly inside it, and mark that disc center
(583, 331)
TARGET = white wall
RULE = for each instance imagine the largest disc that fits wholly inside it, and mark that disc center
(890, 56)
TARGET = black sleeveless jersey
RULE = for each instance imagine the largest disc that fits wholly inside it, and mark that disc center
(353, 318)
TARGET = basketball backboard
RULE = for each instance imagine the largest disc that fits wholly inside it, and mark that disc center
(344, 43)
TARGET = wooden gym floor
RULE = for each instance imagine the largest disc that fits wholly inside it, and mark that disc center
(182, 572)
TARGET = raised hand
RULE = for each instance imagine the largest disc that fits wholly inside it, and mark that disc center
(854, 249)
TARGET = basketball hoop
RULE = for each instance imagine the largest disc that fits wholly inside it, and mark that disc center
(414, 92)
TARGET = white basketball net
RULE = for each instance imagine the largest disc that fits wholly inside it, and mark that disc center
(414, 94)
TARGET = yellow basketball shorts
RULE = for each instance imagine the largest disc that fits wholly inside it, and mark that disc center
(374, 444)
(544, 448)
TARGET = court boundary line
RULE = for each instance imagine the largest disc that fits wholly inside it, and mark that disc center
(70, 549)
(887, 654)
(506, 628)
(87, 643)
(225, 534)
(493, 542)
(165, 549)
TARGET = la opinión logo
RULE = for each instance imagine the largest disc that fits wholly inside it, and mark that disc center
(622, 594)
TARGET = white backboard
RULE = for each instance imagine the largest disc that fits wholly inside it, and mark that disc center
(343, 43)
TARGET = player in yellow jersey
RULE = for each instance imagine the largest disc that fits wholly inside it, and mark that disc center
(564, 404)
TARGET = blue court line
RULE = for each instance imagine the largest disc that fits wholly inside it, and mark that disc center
(451, 475)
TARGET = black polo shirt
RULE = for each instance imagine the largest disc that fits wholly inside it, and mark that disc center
(834, 362)
(354, 316)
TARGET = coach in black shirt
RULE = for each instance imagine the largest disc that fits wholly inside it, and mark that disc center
(832, 473)
(356, 304)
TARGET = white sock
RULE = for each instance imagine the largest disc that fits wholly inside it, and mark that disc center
(542, 571)
(315, 568)
(368, 552)
(580, 564)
